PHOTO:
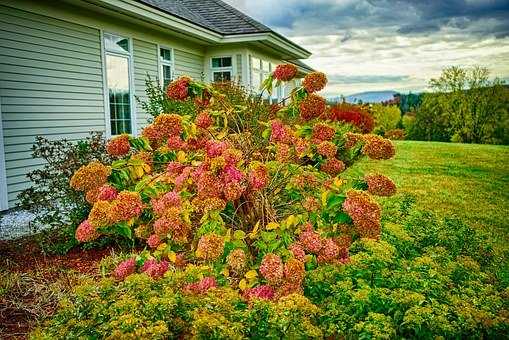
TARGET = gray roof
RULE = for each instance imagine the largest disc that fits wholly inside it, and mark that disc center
(214, 15)
(301, 64)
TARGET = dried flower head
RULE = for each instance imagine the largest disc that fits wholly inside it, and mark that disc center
(332, 166)
(204, 120)
(200, 287)
(153, 241)
(327, 149)
(377, 147)
(127, 205)
(323, 132)
(314, 82)
(118, 146)
(263, 292)
(364, 212)
(153, 134)
(311, 240)
(329, 252)
(237, 261)
(310, 203)
(285, 72)
(107, 193)
(179, 88)
(272, 269)
(99, 215)
(210, 247)
(297, 251)
(258, 177)
(380, 185)
(154, 269)
(90, 176)
(280, 133)
(312, 107)
(124, 269)
(169, 124)
(168, 200)
(294, 271)
(86, 232)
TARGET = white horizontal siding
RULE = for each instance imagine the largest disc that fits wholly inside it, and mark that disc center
(145, 64)
(188, 64)
(50, 85)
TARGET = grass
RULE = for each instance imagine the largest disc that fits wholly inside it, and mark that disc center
(467, 181)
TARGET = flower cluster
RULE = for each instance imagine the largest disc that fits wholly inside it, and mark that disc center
(376, 147)
(327, 149)
(364, 212)
(118, 146)
(155, 269)
(127, 205)
(323, 132)
(285, 72)
(312, 106)
(314, 82)
(262, 292)
(86, 232)
(200, 287)
(90, 176)
(210, 247)
(124, 269)
(332, 166)
(380, 185)
(237, 261)
(272, 269)
(280, 133)
(204, 120)
(258, 177)
(179, 88)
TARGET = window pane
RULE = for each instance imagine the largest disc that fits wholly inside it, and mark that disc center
(255, 80)
(255, 63)
(265, 65)
(165, 54)
(167, 76)
(222, 76)
(222, 62)
(117, 76)
(114, 43)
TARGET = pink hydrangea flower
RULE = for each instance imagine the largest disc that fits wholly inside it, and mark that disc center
(258, 178)
(107, 193)
(86, 232)
(272, 269)
(168, 200)
(329, 252)
(298, 251)
(310, 240)
(202, 286)
(124, 269)
(232, 174)
(153, 241)
(154, 269)
(263, 292)
(215, 148)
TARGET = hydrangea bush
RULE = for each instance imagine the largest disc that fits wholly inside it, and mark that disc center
(260, 203)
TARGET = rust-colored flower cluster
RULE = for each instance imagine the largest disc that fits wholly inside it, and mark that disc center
(312, 106)
(179, 88)
(380, 185)
(285, 72)
(86, 232)
(118, 146)
(314, 82)
(376, 147)
(365, 213)
(210, 247)
(90, 176)
(272, 269)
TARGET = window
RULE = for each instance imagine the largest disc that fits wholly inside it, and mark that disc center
(260, 70)
(118, 59)
(166, 69)
(221, 68)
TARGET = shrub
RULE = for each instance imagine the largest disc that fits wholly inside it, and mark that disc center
(51, 197)
(395, 134)
(231, 194)
(356, 115)
(387, 117)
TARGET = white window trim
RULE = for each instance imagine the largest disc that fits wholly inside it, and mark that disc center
(161, 62)
(4, 199)
(221, 69)
(130, 63)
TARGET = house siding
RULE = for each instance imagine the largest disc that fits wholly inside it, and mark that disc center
(188, 64)
(145, 64)
(50, 85)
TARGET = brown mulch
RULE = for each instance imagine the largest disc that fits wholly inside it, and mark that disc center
(22, 306)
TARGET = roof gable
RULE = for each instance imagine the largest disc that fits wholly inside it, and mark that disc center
(214, 15)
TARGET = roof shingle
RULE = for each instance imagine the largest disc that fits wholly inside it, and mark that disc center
(214, 15)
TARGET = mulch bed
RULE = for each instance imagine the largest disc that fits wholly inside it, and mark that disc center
(25, 258)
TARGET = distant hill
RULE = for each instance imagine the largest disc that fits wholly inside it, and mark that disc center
(367, 97)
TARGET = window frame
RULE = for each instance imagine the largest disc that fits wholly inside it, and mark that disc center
(130, 65)
(221, 69)
(161, 63)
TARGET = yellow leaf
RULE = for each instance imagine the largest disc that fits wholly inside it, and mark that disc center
(338, 182)
(251, 274)
(172, 256)
(181, 156)
(138, 170)
(228, 235)
(291, 220)
(254, 232)
(225, 272)
(324, 198)
(243, 284)
(161, 247)
(146, 167)
(272, 226)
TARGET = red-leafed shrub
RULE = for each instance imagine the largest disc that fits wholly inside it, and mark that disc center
(353, 114)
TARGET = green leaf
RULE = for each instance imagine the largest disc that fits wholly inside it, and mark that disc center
(123, 229)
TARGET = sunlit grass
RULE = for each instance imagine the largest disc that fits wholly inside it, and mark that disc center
(470, 182)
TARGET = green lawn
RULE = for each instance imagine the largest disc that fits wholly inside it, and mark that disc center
(467, 181)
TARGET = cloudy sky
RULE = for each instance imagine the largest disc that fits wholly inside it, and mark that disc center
(366, 45)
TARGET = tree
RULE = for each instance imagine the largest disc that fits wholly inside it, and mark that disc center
(464, 106)
(386, 117)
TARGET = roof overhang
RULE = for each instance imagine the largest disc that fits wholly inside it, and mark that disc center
(286, 48)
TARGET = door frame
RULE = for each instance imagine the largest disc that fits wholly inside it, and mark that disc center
(4, 201)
